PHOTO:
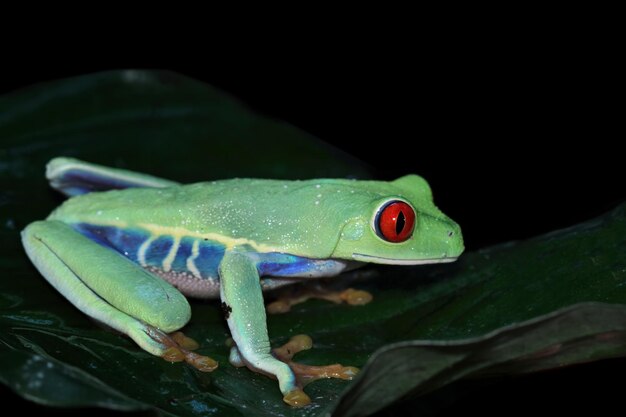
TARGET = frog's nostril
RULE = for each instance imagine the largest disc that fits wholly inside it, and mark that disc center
(450, 233)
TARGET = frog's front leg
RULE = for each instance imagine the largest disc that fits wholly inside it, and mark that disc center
(242, 302)
(109, 287)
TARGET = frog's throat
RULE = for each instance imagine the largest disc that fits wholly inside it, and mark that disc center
(390, 261)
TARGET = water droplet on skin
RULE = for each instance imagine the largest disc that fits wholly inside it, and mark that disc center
(317, 186)
(99, 212)
(319, 195)
(317, 203)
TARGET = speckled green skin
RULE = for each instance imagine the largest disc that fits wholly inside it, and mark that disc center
(318, 223)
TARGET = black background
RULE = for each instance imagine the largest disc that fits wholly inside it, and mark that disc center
(516, 140)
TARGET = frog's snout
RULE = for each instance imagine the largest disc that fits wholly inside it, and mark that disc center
(454, 239)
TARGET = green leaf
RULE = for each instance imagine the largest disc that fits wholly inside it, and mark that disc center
(519, 307)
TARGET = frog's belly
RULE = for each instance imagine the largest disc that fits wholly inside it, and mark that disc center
(187, 283)
(191, 264)
(192, 286)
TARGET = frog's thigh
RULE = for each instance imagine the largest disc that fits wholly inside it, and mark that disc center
(104, 284)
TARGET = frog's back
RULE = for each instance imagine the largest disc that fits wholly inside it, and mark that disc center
(298, 217)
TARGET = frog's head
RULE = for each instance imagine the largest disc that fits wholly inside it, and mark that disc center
(402, 228)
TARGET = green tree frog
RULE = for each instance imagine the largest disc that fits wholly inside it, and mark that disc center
(127, 248)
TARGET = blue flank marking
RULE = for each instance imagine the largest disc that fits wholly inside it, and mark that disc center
(283, 265)
(128, 241)
(158, 250)
(209, 258)
(184, 252)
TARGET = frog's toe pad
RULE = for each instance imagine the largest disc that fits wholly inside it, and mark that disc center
(200, 362)
(308, 373)
(177, 348)
(356, 297)
(173, 354)
(297, 398)
(184, 342)
(295, 345)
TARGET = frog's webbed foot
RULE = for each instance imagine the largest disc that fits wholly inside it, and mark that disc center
(177, 347)
(304, 374)
(293, 296)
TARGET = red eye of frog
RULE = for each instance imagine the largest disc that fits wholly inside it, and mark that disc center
(394, 221)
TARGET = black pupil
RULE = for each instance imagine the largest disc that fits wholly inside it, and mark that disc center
(400, 223)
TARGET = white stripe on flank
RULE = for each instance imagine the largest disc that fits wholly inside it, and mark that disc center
(195, 252)
(141, 253)
(167, 262)
(227, 241)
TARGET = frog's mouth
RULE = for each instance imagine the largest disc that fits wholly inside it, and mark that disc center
(391, 261)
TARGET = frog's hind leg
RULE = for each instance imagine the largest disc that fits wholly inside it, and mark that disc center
(110, 288)
(74, 177)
